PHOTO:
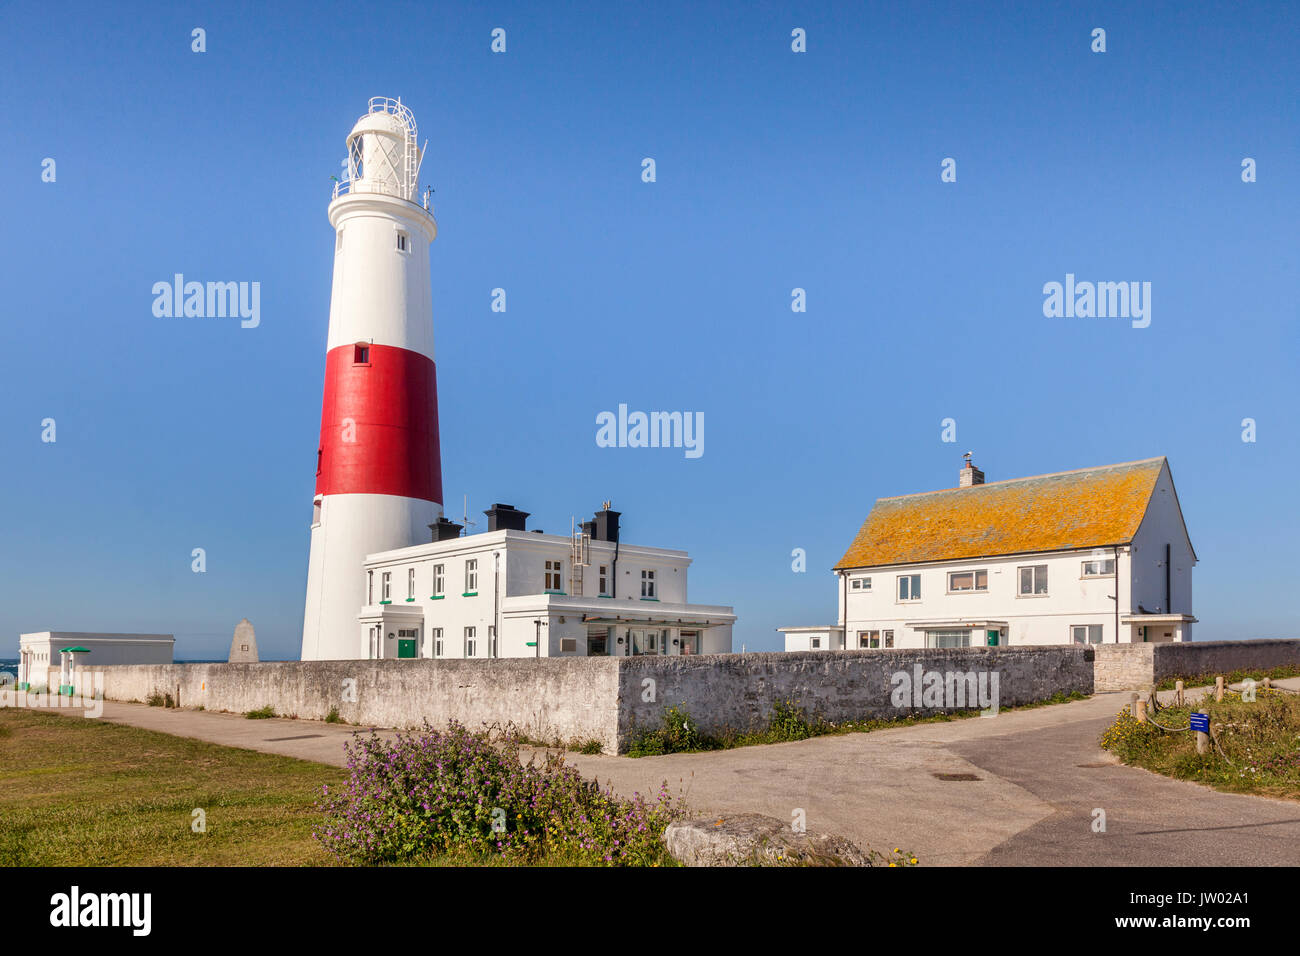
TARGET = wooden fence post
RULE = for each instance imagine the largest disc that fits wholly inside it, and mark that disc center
(1218, 687)
(1178, 693)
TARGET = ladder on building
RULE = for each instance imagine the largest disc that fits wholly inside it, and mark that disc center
(579, 555)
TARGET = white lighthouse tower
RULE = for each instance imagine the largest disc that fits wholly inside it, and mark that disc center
(378, 468)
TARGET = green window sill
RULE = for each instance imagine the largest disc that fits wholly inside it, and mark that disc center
(437, 597)
(561, 593)
(470, 594)
(607, 597)
(650, 599)
(385, 602)
(410, 599)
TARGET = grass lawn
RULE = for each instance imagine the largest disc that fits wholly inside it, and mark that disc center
(1260, 742)
(79, 792)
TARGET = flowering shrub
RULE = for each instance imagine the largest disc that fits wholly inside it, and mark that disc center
(435, 792)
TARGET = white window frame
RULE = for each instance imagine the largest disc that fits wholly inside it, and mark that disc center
(648, 583)
(471, 641)
(1088, 630)
(554, 576)
(1100, 563)
(603, 579)
(438, 649)
(860, 584)
(913, 590)
(370, 587)
(439, 580)
(471, 576)
(410, 584)
(386, 586)
(815, 643)
(403, 242)
(1034, 570)
(974, 588)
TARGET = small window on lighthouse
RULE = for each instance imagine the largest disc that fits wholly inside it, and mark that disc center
(361, 355)
(401, 242)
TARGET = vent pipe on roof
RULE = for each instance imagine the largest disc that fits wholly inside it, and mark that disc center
(969, 475)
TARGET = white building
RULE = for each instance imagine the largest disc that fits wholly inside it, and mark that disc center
(53, 659)
(510, 592)
(1098, 555)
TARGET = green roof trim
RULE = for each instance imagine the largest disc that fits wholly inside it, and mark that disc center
(74, 650)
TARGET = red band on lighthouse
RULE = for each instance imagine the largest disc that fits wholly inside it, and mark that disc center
(379, 424)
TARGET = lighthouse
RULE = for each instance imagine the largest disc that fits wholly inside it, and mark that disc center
(378, 469)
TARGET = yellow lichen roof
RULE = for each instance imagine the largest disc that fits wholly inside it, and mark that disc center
(1089, 508)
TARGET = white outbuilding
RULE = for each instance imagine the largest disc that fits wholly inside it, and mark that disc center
(1091, 556)
(53, 660)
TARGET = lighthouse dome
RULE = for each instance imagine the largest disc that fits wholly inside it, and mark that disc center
(383, 151)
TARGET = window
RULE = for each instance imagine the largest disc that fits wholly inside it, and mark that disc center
(439, 580)
(568, 645)
(370, 587)
(401, 242)
(860, 584)
(374, 643)
(1086, 633)
(968, 581)
(1099, 568)
(604, 580)
(320, 457)
(471, 644)
(1033, 580)
(868, 638)
(315, 505)
(554, 580)
(386, 586)
(597, 641)
(361, 355)
(438, 649)
(889, 638)
(909, 587)
(492, 640)
(816, 643)
(647, 584)
(947, 638)
(410, 584)
(471, 577)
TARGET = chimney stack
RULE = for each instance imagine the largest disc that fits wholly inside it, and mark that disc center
(606, 524)
(969, 475)
(445, 529)
(506, 518)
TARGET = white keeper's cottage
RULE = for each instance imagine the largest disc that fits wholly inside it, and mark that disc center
(1097, 555)
(511, 592)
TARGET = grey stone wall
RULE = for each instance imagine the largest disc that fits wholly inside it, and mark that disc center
(608, 699)
(1138, 666)
(1123, 666)
(738, 691)
(548, 699)
(1221, 657)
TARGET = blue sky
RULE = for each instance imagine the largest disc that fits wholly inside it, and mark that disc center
(775, 170)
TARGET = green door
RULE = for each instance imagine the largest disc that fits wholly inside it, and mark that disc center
(406, 648)
(993, 638)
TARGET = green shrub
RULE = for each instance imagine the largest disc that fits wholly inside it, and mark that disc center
(261, 713)
(333, 716)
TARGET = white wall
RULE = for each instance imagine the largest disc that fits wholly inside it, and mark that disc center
(1046, 619)
(511, 589)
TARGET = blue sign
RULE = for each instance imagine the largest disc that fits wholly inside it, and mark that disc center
(1201, 722)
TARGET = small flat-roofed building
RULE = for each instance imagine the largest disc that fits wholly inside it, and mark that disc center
(52, 659)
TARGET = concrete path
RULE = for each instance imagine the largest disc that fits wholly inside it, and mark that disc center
(1038, 776)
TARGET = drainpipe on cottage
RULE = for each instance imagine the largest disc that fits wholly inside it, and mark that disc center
(1116, 549)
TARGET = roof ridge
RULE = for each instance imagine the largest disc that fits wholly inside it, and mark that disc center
(1007, 481)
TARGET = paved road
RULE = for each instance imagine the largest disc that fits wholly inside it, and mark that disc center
(1038, 776)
